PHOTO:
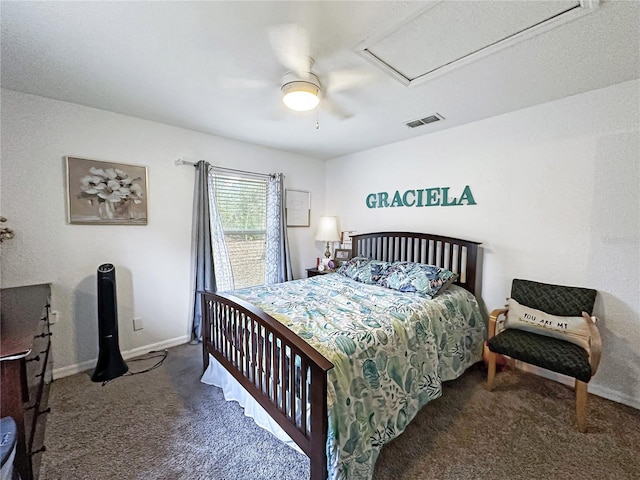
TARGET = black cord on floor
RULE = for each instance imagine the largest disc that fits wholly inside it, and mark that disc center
(162, 357)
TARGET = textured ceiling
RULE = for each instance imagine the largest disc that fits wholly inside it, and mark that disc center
(217, 67)
(448, 31)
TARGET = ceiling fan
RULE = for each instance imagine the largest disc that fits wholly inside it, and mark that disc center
(301, 87)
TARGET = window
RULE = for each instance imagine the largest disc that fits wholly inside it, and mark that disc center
(242, 205)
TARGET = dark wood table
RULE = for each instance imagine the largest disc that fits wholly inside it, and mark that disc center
(312, 272)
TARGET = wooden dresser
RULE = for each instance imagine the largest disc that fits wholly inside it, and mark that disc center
(26, 363)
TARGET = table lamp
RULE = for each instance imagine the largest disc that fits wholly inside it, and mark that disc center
(327, 232)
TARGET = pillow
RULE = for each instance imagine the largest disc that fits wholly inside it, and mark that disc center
(427, 280)
(363, 269)
(571, 329)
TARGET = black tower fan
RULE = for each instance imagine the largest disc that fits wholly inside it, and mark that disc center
(110, 363)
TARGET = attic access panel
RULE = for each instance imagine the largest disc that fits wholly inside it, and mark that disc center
(449, 34)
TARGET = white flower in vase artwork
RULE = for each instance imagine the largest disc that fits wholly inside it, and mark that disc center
(106, 193)
(112, 189)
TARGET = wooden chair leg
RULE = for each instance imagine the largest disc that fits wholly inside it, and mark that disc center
(491, 373)
(581, 405)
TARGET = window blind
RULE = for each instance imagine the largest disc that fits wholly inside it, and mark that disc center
(242, 204)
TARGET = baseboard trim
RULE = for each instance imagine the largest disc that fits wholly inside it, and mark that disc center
(593, 388)
(89, 364)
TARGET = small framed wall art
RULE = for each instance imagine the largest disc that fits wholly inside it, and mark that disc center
(298, 206)
(106, 193)
(345, 239)
(346, 236)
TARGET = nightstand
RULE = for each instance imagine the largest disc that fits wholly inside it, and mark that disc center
(312, 272)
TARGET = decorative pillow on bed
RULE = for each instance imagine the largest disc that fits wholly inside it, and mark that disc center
(364, 270)
(571, 329)
(427, 280)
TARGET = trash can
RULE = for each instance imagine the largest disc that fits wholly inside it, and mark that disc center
(7, 447)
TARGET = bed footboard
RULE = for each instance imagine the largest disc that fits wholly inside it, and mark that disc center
(281, 371)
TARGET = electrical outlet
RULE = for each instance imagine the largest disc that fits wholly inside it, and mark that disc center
(137, 324)
(53, 317)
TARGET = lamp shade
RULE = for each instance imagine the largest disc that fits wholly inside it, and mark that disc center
(327, 230)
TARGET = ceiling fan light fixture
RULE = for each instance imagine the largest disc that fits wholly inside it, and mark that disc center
(301, 96)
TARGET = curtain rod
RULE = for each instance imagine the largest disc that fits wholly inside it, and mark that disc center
(179, 161)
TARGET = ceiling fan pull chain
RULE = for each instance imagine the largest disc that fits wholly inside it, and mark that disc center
(317, 118)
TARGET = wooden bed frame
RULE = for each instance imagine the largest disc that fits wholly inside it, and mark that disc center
(242, 338)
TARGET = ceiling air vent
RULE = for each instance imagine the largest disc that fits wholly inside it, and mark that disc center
(424, 121)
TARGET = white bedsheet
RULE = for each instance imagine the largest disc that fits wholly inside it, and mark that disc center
(232, 390)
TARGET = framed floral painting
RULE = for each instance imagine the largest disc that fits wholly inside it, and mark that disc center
(106, 193)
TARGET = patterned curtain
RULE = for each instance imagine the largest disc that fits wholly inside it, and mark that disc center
(277, 257)
(221, 258)
(211, 260)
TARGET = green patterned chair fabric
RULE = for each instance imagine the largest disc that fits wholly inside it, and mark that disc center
(546, 352)
(554, 299)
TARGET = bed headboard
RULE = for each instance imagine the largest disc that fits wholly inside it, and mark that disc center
(459, 256)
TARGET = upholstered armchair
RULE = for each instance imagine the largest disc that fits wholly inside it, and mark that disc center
(549, 326)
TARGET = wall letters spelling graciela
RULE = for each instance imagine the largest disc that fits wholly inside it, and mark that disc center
(427, 197)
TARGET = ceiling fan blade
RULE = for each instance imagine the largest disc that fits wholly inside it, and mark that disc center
(334, 109)
(229, 83)
(341, 80)
(290, 43)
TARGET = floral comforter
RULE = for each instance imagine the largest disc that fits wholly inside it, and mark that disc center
(391, 351)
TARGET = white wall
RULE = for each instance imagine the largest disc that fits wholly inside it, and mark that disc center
(152, 262)
(557, 191)
(557, 188)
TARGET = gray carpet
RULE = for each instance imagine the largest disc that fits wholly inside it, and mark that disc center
(165, 424)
